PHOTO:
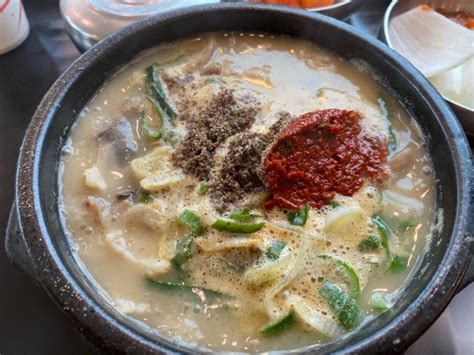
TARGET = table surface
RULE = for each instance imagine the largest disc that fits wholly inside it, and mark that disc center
(30, 323)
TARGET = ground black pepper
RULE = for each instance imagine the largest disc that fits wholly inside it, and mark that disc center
(240, 172)
(208, 129)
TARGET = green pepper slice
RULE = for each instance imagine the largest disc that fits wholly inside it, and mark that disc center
(236, 226)
(384, 231)
(343, 305)
(349, 270)
(243, 215)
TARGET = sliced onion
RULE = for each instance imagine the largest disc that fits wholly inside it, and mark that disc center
(155, 170)
(149, 216)
(291, 272)
(401, 205)
(152, 266)
(313, 318)
(214, 244)
(270, 270)
(93, 179)
(342, 219)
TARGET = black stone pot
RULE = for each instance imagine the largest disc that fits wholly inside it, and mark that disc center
(36, 240)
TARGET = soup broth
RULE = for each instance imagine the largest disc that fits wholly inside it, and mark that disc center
(165, 190)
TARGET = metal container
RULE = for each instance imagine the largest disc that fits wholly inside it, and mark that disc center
(88, 21)
(464, 113)
(38, 243)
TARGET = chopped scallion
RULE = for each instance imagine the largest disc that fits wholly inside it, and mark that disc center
(392, 139)
(372, 243)
(192, 221)
(144, 197)
(378, 302)
(405, 226)
(334, 203)
(398, 264)
(299, 218)
(203, 187)
(211, 80)
(274, 250)
(185, 249)
(157, 89)
(149, 132)
(278, 326)
(201, 292)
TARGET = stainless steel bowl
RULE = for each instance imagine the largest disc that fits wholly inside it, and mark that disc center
(88, 21)
(397, 7)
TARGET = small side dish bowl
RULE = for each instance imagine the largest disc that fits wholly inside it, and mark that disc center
(465, 114)
(341, 9)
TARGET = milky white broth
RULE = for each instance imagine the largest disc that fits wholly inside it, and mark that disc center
(123, 241)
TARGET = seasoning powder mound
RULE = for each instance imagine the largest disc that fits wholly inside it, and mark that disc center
(241, 170)
(209, 128)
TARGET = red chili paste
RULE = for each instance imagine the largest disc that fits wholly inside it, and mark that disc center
(320, 154)
(464, 18)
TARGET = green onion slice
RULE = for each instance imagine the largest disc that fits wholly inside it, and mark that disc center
(378, 302)
(191, 220)
(372, 243)
(278, 326)
(299, 218)
(203, 187)
(274, 250)
(185, 250)
(201, 293)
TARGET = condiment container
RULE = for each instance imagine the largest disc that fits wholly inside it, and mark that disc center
(14, 27)
(88, 21)
(464, 113)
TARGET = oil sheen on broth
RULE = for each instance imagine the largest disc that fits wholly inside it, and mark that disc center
(142, 191)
